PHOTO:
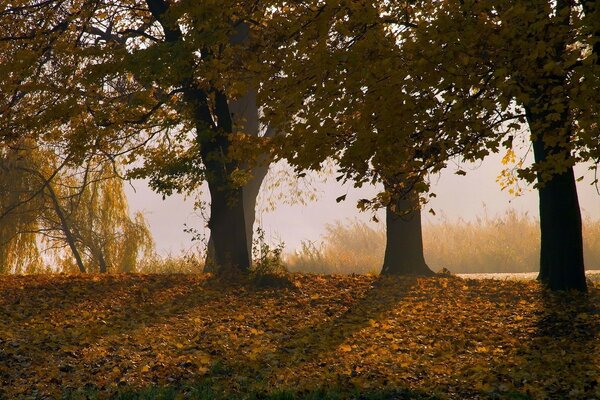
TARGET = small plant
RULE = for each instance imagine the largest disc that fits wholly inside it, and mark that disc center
(267, 262)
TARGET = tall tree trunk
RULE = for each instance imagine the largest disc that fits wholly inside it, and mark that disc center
(244, 114)
(213, 127)
(561, 255)
(548, 115)
(404, 239)
(227, 223)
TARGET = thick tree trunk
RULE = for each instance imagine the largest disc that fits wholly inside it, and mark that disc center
(213, 127)
(227, 228)
(404, 240)
(250, 194)
(244, 114)
(227, 223)
(548, 115)
(561, 256)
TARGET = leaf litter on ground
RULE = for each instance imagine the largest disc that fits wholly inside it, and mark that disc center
(443, 337)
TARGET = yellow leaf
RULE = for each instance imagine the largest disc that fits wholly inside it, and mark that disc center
(203, 359)
(203, 370)
(345, 348)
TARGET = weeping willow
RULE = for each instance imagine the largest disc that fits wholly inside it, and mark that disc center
(54, 216)
(20, 208)
(109, 239)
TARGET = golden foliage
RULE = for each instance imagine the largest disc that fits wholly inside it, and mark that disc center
(49, 210)
(445, 336)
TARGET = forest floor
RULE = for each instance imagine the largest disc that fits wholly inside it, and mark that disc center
(330, 337)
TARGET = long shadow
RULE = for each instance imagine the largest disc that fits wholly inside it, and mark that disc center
(557, 356)
(84, 312)
(384, 294)
(314, 342)
(561, 360)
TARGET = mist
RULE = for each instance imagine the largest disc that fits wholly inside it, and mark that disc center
(462, 198)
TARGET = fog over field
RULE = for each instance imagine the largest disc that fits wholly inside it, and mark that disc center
(458, 197)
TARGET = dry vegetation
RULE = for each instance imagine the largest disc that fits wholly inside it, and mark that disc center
(506, 243)
(189, 336)
(187, 263)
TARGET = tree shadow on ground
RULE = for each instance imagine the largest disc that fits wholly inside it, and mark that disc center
(557, 355)
(561, 360)
(315, 342)
(89, 312)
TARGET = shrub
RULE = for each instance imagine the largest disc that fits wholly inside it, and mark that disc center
(268, 269)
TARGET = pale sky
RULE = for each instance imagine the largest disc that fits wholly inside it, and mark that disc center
(463, 197)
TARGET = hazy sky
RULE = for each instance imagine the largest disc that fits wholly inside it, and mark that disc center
(463, 197)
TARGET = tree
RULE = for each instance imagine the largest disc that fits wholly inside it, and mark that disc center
(162, 78)
(97, 209)
(541, 58)
(370, 120)
(457, 77)
(18, 246)
(48, 206)
(245, 113)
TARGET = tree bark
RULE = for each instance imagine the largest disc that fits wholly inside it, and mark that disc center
(227, 223)
(228, 229)
(548, 115)
(244, 113)
(212, 129)
(561, 255)
(250, 195)
(404, 239)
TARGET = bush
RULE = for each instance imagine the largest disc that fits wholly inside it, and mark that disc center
(353, 247)
(268, 269)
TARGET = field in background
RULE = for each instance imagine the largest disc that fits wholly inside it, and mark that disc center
(507, 243)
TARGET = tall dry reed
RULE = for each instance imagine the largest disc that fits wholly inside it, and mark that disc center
(504, 243)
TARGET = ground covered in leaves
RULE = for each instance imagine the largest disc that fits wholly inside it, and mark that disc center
(191, 336)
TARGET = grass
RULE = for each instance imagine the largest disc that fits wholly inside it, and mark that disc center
(508, 243)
